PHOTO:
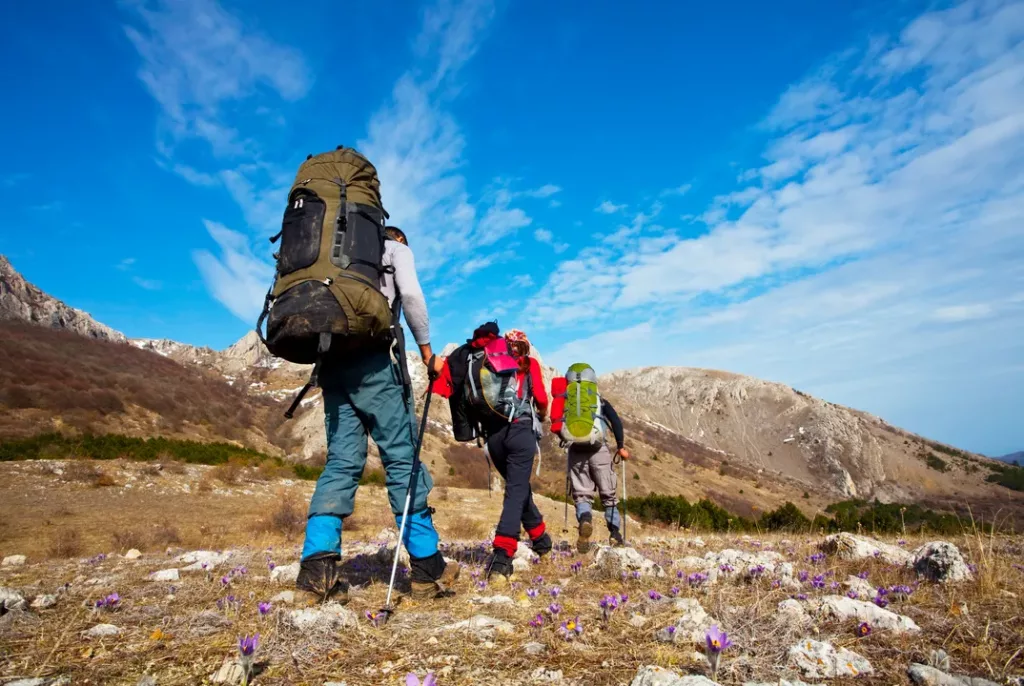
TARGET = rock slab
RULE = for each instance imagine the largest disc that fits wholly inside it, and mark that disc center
(923, 675)
(820, 660)
(651, 675)
(941, 561)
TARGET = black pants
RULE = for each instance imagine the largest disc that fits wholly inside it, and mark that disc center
(512, 449)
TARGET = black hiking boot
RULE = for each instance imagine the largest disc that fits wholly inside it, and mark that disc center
(499, 569)
(541, 545)
(432, 577)
(320, 579)
(615, 536)
(586, 531)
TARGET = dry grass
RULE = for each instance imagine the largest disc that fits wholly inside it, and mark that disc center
(978, 624)
(288, 519)
(126, 539)
(228, 473)
(65, 543)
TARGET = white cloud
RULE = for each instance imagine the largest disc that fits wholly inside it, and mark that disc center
(608, 207)
(522, 281)
(545, 191)
(126, 263)
(962, 313)
(235, 277)
(543, 236)
(197, 58)
(148, 284)
(870, 256)
(417, 147)
(677, 191)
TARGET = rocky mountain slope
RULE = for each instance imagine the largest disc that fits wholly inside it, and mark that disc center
(772, 427)
(22, 301)
(748, 444)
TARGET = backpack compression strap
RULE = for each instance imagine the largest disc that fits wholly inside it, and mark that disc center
(314, 377)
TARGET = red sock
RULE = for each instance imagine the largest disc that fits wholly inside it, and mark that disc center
(537, 531)
(506, 543)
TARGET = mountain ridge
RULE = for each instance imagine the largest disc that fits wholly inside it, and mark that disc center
(743, 441)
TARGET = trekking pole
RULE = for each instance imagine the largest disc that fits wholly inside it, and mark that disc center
(388, 609)
(565, 523)
(624, 502)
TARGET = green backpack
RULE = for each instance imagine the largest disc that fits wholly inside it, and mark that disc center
(326, 295)
(582, 421)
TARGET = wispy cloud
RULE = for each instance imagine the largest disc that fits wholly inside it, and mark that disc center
(546, 236)
(545, 191)
(608, 207)
(874, 245)
(15, 179)
(147, 284)
(677, 190)
(206, 68)
(417, 147)
(197, 59)
(126, 264)
(53, 206)
(236, 277)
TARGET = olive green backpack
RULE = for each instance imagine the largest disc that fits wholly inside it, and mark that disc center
(326, 296)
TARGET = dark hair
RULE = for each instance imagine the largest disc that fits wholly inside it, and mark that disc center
(395, 234)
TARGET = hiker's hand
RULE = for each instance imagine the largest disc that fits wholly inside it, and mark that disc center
(624, 453)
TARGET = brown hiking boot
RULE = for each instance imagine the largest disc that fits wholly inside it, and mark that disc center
(586, 531)
(320, 581)
(440, 588)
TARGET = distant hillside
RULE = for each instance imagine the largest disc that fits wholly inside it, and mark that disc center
(20, 300)
(60, 381)
(1017, 457)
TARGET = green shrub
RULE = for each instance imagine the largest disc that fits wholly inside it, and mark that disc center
(307, 472)
(373, 476)
(788, 517)
(1010, 477)
(55, 446)
(936, 463)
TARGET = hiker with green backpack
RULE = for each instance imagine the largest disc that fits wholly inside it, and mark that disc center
(581, 418)
(342, 280)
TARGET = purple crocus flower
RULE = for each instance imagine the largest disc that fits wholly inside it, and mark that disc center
(726, 568)
(554, 609)
(776, 583)
(271, 565)
(852, 595)
(716, 640)
(413, 680)
(264, 608)
(803, 575)
(756, 571)
(623, 599)
(537, 622)
(674, 591)
(555, 592)
(671, 630)
(531, 593)
(247, 644)
(696, 579)
(636, 575)
(653, 595)
(571, 629)
(863, 629)
(225, 580)
(680, 574)
(862, 575)
(818, 581)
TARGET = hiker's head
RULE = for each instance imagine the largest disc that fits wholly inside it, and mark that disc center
(395, 234)
(518, 342)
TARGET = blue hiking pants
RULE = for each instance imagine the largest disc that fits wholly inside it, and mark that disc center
(363, 394)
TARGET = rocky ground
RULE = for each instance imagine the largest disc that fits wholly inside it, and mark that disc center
(805, 608)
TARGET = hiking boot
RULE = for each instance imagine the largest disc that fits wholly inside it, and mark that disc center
(586, 531)
(615, 537)
(440, 587)
(499, 569)
(541, 545)
(320, 580)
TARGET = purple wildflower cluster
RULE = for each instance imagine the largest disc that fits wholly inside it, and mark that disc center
(537, 622)
(803, 575)
(756, 572)
(111, 602)
(816, 558)
(726, 568)
(862, 575)
(228, 603)
(818, 581)
(576, 567)
(674, 591)
(95, 560)
(697, 579)
(610, 603)
(571, 629)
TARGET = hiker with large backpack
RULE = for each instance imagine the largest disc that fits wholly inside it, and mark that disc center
(497, 395)
(581, 419)
(342, 280)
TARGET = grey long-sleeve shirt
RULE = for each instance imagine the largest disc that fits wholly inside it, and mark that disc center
(414, 305)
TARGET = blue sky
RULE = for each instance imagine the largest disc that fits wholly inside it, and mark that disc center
(829, 195)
